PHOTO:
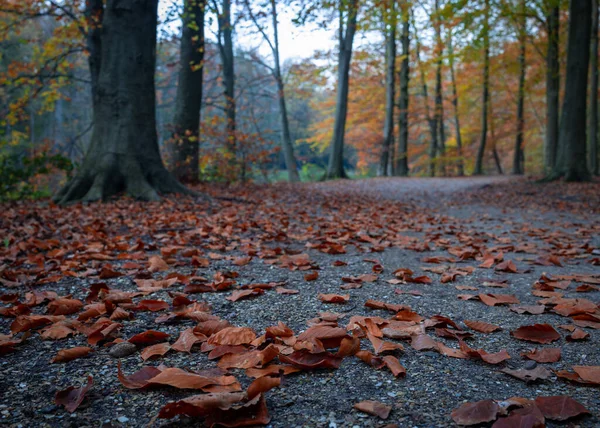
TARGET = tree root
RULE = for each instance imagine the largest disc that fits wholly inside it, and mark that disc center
(136, 181)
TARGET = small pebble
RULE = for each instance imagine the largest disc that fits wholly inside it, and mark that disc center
(121, 350)
(530, 365)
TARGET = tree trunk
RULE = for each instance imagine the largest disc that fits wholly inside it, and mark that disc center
(486, 90)
(286, 138)
(593, 134)
(495, 154)
(390, 89)
(432, 121)
(93, 15)
(552, 85)
(519, 157)
(402, 156)
(225, 42)
(439, 106)
(123, 154)
(461, 169)
(186, 126)
(335, 169)
(572, 142)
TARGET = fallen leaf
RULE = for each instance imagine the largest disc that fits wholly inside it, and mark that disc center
(149, 337)
(577, 335)
(533, 375)
(506, 266)
(64, 306)
(308, 361)
(157, 264)
(334, 298)
(72, 397)
(544, 355)
(313, 276)
(538, 333)
(481, 326)
(374, 408)
(66, 355)
(159, 349)
(232, 336)
(560, 408)
(475, 413)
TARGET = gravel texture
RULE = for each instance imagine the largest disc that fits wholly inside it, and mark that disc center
(458, 211)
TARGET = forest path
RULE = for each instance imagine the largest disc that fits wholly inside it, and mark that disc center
(419, 188)
(462, 239)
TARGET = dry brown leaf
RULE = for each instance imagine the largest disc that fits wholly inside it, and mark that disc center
(66, 355)
(374, 408)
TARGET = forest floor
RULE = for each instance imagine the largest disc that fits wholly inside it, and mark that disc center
(208, 279)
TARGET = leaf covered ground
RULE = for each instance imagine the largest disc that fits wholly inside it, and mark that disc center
(416, 302)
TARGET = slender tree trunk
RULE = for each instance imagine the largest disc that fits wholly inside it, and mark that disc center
(402, 155)
(519, 156)
(123, 154)
(431, 120)
(461, 169)
(390, 90)
(572, 161)
(593, 134)
(286, 138)
(335, 168)
(439, 106)
(486, 90)
(495, 154)
(186, 126)
(552, 85)
(227, 62)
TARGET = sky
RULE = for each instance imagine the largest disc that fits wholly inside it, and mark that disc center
(295, 42)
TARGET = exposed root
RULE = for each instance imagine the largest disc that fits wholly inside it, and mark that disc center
(126, 176)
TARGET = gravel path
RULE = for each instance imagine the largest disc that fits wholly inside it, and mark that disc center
(405, 221)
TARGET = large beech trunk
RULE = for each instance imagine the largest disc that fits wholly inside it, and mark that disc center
(593, 133)
(124, 154)
(572, 162)
(186, 124)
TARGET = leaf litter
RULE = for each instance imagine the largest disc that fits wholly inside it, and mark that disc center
(174, 282)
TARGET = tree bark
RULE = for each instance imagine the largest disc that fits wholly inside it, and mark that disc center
(286, 138)
(335, 168)
(593, 134)
(124, 154)
(519, 157)
(461, 169)
(495, 154)
(439, 106)
(572, 162)
(93, 14)
(552, 84)
(431, 120)
(486, 90)
(225, 42)
(186, 126)
(402, 155)
(390, 91)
